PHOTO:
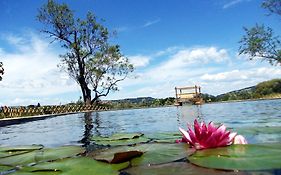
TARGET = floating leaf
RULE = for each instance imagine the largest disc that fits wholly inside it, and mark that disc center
(5, 168)
(156, 153)
(22, 148)
(178, 168)
(21, 159)
(58, 153)
(16, 150)
(73, 166)
(119, 136)
(259, 130)
(168, 137)
(41, 155)
(116, 154)
(239, 157)
(121, 139)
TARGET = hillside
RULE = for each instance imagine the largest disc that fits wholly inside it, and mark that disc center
(266, 89)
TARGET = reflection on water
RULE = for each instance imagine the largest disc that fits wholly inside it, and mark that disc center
(88, 120)
(78, 128)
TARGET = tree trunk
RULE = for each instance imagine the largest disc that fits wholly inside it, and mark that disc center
(85, 91)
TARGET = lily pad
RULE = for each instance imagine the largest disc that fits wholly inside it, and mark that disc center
(116, 155)
(239, 157)
(73, 166)
(119, 136)
(5, 168)
(58, 153)
(157, 153)
(22, 148)
(168, 137)
(41, 155)
(259, 130)
(121, 139)
(21, 159)
(178, 168)
(11, 151)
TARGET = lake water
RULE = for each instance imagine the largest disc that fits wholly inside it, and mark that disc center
(259, 121)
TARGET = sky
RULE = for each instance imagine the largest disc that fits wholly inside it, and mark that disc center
(170, 43)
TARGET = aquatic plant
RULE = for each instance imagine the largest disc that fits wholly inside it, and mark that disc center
(209, 136)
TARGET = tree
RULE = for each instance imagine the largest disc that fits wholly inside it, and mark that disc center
(90, 59)
(260, 41)
(1, 70)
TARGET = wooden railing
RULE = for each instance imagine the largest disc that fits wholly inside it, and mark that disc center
(12, 112)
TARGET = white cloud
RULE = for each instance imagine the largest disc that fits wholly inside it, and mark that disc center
(183, 67)
(254, 73)
(139, 60)
(204, 66)
(31, 71)
(150, 23)
(233, 3)
(195, 56)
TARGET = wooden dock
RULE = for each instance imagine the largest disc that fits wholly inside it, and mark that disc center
(188, 94)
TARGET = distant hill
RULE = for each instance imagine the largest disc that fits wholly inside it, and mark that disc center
(134, 100)
(266, 89)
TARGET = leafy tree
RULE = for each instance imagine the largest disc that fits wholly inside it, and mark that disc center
(268, 87)
(273, 6)
(260, 41)
(90, 59)
(1, 70)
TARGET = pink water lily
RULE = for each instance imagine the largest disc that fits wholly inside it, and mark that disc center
(209, 136)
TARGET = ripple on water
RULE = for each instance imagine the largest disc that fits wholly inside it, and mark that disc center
(71, 129)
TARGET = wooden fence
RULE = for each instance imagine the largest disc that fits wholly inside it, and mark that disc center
(11, 112)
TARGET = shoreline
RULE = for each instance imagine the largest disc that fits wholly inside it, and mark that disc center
(255, 99)
(18, 120)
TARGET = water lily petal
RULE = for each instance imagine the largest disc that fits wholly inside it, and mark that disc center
(197, 129)
(185, 135)
(232, 136)
(192, 134)
(211, 127)
(239, 139)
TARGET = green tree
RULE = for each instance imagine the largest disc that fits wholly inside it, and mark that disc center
(260, 41)
(1, 70)
(95, 64)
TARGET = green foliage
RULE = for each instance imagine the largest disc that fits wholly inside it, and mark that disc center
(260, 41)
(208, 98)
(1, 70)
(141, 102)
(261, 90)
(95, 64)
(268, 87)
(274, 6)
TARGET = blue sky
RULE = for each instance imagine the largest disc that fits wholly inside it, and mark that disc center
(171, 43)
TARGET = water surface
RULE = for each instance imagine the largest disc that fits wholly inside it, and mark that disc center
(244, 117)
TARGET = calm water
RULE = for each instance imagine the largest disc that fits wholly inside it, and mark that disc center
(244, 117)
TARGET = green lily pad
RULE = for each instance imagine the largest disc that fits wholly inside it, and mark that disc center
(259, 130)
(41, 155)
(16, 150)
(118, 136)
(168, 137)
(121, 139)
(73, 166)
(21, 159)
(58, 153)
(178, 168)
(5, 168)
(157, 153)
(22, 148)
(239, 157)
(116, 154)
